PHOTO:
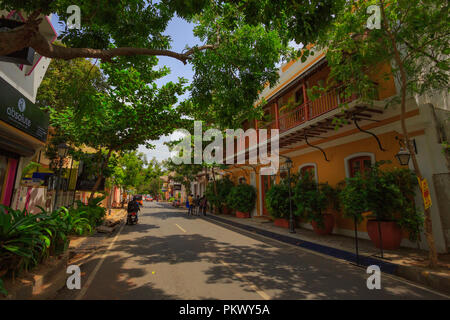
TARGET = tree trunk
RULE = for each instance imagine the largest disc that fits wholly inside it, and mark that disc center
(433, 258)
(100, 176)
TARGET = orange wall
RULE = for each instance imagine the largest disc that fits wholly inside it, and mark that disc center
(334, 171)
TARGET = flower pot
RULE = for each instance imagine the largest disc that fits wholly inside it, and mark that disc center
(227, 210)
(391, 234)
(328, 225)
(242, 214)
(280, 222)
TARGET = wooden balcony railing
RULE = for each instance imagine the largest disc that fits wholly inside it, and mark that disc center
(312, 109)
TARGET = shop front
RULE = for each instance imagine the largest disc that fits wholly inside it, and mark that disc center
(23, 131)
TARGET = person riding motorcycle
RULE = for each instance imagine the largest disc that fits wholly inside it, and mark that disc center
(133, 206)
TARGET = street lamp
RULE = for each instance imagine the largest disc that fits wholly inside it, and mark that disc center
(288, 164)
(62, 152)
(403, 156)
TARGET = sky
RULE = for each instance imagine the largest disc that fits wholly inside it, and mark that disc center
(181, 33)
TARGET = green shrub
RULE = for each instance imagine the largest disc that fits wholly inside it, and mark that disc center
(242, 197)
(388, 194)
(223, 187)
(92, 212)
(277, 201)
(311, 199)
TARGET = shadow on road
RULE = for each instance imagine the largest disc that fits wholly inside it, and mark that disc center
(285, 271)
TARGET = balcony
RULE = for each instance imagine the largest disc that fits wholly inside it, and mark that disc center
(312, 109)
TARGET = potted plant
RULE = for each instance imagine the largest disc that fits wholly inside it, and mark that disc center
(312, 201)
(242, 198)
(389, 196)
(277, 203)
(218, 196)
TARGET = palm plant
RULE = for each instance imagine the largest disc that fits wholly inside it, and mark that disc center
(23, 239)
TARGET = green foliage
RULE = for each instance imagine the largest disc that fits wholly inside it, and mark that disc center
(277, 201)
(92, 212)
(388, 194)
(26, 239)
(419, 28)
(311, 200)
(242, 198)
(353, 198)
(223, 189)
(23, 239)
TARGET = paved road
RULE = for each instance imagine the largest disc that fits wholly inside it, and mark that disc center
(171, 256)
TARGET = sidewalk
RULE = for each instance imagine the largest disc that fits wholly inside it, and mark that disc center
(82, 247)
(404, 262)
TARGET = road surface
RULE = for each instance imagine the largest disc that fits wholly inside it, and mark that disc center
(169, 255)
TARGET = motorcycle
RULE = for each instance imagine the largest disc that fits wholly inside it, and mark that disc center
(132, 218)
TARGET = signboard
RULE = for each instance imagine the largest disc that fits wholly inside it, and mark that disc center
(177, 187)
(21, 113)
(425, 193)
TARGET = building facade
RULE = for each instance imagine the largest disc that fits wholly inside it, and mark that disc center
(367, 132)
(23, 126)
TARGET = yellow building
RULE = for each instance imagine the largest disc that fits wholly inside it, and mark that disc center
(307, 135)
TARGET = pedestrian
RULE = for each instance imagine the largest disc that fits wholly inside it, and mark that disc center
(191, 204)
(197, 205)
(203, 203)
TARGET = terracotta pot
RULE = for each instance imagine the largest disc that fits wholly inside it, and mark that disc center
(280, 222)
(328, 225)
(226, 210)
(242, 214)
(391, 234)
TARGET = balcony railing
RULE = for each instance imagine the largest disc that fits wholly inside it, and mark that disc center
(313, 109)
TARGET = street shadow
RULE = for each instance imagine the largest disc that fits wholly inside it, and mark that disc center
(115, 283)
(282, 271)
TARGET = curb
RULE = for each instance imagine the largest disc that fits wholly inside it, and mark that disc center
(39, 284)
(415, 274)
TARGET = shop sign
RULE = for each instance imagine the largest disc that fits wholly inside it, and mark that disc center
(21, 113)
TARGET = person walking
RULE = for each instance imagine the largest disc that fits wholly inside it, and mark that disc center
(191, 204)
(203, 203)
(197, 205)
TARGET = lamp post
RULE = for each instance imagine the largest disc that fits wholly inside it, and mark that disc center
(62, 152)
(288, 163)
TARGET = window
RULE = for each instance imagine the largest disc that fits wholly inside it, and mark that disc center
(242, 180)
(359, 164)
(311, 168)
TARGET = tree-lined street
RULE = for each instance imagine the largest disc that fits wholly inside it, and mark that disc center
(169, 255)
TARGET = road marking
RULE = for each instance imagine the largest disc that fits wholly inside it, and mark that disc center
(263, 295)
(180, 228)
(97, 267)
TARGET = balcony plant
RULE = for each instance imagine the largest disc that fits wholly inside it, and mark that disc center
(242, 198)
(312, 200)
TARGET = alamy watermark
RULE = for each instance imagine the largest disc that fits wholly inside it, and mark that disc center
(374, 21)
(213, 152)
(74, 21)
(74, 280)
(374, 280)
